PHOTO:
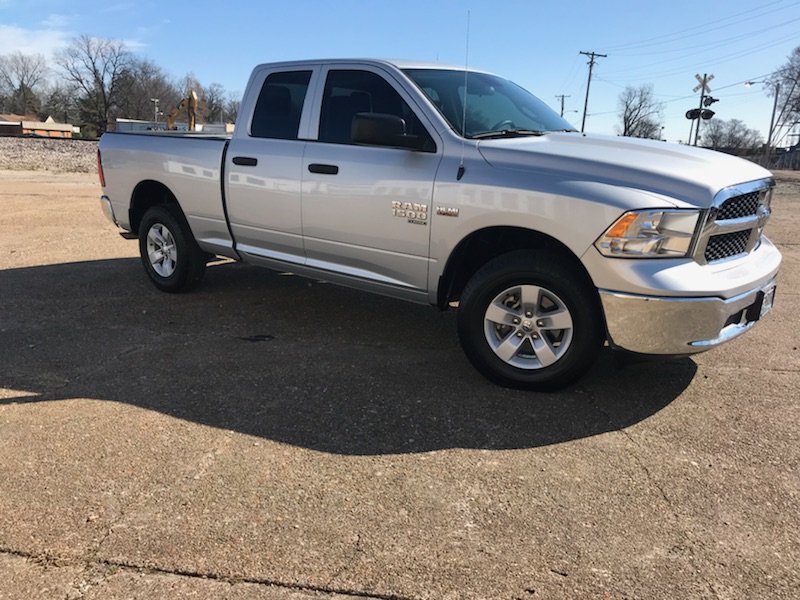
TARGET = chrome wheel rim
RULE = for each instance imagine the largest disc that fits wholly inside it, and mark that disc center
(528, 327)
(161, 250)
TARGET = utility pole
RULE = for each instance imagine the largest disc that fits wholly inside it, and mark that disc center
(592, 56)
(562, 96)
(768, 145)
(772, 119)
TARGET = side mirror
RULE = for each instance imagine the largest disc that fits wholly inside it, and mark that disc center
(378, 129)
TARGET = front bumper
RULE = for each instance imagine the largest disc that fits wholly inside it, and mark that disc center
(681, 326)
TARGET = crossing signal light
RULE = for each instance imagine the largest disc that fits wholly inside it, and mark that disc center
(698, 113)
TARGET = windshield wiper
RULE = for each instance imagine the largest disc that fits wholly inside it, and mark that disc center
(501, 133)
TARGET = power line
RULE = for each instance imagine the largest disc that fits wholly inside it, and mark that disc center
(645, 72)
(694, 53)
(573, 71)
(679, 98)
(718, 44)
(671, 37)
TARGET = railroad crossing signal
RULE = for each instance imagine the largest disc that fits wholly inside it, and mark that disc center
(697, 113)
(703, 83)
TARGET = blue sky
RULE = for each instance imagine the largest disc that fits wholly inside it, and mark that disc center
(534, 43)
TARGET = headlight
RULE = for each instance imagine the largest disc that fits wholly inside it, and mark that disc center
(650, 234)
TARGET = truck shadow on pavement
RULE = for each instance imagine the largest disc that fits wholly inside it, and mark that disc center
(292, 360)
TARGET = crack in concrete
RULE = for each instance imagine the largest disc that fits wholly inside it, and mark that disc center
(96, 571)
(91, 575)
(689, 541)
(104, 569)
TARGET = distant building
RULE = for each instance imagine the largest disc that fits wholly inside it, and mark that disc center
(215, 127)
(136, 125)
(18, 126)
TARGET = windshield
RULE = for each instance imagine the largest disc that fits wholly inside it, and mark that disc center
(494, 105)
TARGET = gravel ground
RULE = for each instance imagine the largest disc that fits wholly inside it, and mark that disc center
(54, 155)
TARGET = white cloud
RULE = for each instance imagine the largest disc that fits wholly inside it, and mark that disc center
(32, 41)
(135, 45)
(56, 21)
(119, 7)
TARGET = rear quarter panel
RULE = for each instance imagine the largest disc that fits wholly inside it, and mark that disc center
(189, 166)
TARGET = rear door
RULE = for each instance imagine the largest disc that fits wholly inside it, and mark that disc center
(264, 166)
(366, 209)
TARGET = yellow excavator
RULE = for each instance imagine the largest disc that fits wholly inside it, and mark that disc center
(189, 103)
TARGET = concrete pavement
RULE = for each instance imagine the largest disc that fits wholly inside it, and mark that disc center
(273, 437)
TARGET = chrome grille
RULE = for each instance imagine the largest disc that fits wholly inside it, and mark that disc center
(734, 224)
(727, 245)
(745, 205)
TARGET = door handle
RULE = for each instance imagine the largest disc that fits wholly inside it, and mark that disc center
(245, 161)
(323, 169)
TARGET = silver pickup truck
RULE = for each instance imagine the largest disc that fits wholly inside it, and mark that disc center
(459, 188)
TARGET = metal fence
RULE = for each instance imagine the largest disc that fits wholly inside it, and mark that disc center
(779, 159)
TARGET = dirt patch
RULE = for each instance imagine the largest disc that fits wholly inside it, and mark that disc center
(787, 175)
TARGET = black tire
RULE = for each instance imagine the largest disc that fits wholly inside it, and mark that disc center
(170, 255)
(529, 320)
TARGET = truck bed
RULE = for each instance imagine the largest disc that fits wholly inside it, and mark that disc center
(187, 165)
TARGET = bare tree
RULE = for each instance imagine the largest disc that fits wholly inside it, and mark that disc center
(215, 100)
(141, 84)
(787, 77)
(58, 101)
(232, 104)
(98, 80)
(731, 136)
(95, 67)
(21, 75)
(640, 112)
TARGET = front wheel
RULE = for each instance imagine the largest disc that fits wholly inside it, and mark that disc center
(528, 320)
(171, 257)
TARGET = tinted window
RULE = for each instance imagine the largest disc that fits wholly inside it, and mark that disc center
(348, 93)
(280, 104)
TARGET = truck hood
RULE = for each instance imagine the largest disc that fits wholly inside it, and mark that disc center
(684, 173)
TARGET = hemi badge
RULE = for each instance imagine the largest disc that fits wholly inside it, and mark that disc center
(446, 211)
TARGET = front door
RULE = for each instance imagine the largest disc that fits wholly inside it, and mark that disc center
(366, 209)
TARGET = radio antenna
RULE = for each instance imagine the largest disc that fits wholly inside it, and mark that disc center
(464, 104)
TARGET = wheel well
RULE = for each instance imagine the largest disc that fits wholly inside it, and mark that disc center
(146, 195)
(480, 247)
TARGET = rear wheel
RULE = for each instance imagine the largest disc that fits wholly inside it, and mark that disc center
(528, 320)
(171, 257)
